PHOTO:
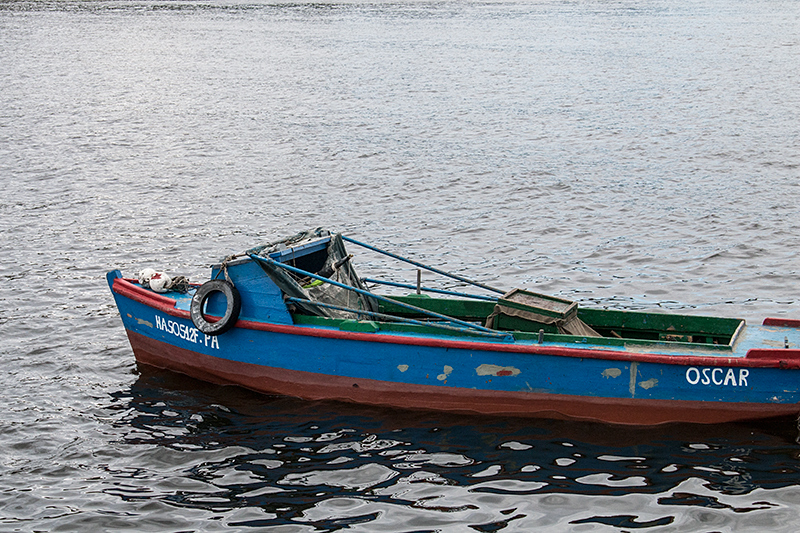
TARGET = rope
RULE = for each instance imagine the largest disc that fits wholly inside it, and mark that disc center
(404, 320)
(426, 267)
(179, 284)
(427, 312)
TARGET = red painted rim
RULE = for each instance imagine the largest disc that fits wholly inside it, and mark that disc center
(785, 359)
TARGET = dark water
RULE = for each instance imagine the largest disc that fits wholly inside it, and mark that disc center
(636, 155)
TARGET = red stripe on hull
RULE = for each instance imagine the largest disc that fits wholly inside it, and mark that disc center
(766, 360)
(782, 322)
(312, 386)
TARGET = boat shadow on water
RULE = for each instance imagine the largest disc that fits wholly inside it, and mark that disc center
(335, 465)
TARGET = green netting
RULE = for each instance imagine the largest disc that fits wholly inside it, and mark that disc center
(336, 267)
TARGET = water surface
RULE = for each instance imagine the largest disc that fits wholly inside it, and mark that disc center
(634, 155)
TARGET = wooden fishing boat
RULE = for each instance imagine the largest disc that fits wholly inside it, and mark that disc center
(293, 318)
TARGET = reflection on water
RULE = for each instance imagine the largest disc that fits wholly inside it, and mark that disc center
(328, 466)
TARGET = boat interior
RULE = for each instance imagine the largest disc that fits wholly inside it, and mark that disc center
(320, 287)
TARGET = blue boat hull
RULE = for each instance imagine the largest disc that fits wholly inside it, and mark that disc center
(461, 375)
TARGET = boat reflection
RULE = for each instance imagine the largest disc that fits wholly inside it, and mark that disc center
(329, 465)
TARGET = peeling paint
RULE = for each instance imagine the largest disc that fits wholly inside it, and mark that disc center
(612, 373)
(649, 384)
(496, 370)
(402, 368)
(632, 385)
(143, 322)
(447, 371)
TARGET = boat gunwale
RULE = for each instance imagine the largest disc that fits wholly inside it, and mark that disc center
(753, 359)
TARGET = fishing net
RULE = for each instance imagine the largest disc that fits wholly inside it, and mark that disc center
(332, 263)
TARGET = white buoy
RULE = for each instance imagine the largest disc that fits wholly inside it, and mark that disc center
(160, 281)
(145, 275)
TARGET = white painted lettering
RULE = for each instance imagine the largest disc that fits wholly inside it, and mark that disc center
(187, 333)
(743, 373)
(717, 376)
(730, 376)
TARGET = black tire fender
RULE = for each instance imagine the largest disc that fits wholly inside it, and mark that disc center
(231, 311)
